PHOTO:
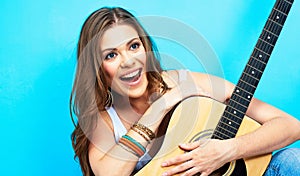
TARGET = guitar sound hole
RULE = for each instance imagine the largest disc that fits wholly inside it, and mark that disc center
(237, 168)
(221, 171)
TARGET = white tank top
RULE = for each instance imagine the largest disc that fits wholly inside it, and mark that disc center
(120, 130)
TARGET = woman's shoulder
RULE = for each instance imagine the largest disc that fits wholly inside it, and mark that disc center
(217, 87)
(170, 77)
(177, 75)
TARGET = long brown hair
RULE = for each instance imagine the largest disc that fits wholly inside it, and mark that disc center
(90, 89)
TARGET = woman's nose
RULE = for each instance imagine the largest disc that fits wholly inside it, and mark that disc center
(127, 60)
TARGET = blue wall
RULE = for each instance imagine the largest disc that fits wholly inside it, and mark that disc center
(37, 61)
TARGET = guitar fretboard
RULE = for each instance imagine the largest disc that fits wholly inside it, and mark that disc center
(244, 90)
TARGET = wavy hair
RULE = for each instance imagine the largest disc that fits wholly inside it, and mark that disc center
(90, 90)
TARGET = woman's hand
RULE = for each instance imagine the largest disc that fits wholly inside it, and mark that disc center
(184, 88)
(204, 156)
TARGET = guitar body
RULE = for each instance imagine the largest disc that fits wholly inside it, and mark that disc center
(196, 118)
(199, 118)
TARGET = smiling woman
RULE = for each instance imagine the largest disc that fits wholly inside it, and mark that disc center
(118, 70)
(123, 101)
(124, 61)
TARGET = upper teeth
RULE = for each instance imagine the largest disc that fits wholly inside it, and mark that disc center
(132, 74)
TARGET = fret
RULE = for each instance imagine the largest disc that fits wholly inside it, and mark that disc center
(254, 62)
(246, 94)
(251, 76)
(225, 128)
(290, 1)
(260, 56)
(233, 117)
(280, 6)
(266, 43)
(224, 132)
(271, 32)
(279, 11)
(276, 22)
(247, 84)
(264, 46)
(249, 79)
(250, 66)
(278, 16)
(228, 120)
(243, 101)
(261, 52)
(238, 105)
(242, 92)
(219, 135)
(253, 72)
(269, 37)
(274, 27)
(229, 124)
(283, 6)
(237, 112)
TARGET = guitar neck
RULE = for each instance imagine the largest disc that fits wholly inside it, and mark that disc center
(246, 86)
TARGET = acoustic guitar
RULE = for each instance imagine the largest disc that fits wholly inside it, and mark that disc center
(198, 118)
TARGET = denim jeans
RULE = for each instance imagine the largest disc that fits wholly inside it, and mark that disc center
(285, 162)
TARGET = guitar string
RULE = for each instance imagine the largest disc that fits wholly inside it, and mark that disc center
(281, 5)
(270, 37)
(254, 68)
(288, 2)
(226, 130)
(250, 68)
(262, 47)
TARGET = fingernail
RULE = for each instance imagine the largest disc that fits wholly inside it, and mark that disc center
(165, 174)
(183, 145)
(164, 164)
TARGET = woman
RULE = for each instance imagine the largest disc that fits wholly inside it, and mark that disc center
(121, 97)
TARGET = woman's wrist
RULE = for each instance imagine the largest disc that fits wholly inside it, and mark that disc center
(134, 143)
(235, 149)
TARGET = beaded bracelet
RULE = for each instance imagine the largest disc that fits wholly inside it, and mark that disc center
(145, 130)
(132, 146)
(142, 134)
(135, 142)
(135, 146)
(128, 149)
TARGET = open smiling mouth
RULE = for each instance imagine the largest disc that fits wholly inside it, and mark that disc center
(132, 77)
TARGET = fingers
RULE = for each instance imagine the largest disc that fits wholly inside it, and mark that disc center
(189, 146)
(193, 145)
(180, 168)
(187, 169)
(191, 171)
(176, 160)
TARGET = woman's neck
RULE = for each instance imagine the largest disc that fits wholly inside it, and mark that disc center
(131, 108)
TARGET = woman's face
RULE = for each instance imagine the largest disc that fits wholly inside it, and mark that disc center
(124, 61)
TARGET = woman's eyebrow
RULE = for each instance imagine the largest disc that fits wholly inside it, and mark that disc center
(127, 43)
(130, 41)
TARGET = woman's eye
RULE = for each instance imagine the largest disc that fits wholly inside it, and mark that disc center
(110, 56)
(134, 46)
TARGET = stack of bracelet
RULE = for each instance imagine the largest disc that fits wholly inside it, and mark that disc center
(133, 146)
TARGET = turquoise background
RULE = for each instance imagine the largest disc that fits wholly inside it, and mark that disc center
(37, 61)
